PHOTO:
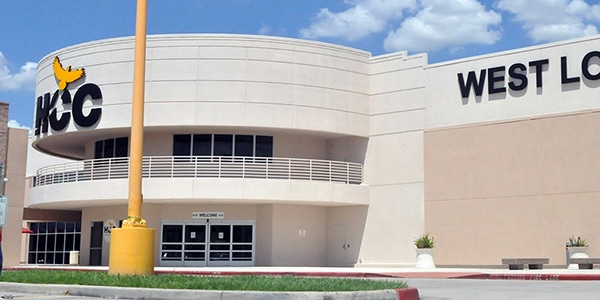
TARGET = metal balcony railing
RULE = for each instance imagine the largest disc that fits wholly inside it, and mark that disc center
(203, 167)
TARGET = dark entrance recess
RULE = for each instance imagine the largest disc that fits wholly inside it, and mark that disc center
(96, 244)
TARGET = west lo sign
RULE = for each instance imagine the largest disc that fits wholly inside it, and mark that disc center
(497, 77)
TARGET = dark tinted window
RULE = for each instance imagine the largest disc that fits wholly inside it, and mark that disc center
(109, 148)
(182, 145)
(264, 146)
(99, 150)
(202, 145)
(121, 146)
(112, 148)
(50, 243)
(244, 145)
(223, 145)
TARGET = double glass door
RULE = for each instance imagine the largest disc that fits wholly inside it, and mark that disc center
(207, 244)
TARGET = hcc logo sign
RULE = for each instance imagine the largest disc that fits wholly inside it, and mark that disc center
(46, 112)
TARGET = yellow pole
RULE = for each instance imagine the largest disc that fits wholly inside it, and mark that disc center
(137, 114)
(132, 246)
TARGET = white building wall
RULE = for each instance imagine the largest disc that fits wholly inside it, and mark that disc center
(299, 236)
(394, 160)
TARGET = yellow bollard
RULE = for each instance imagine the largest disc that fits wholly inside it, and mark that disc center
(131, 251)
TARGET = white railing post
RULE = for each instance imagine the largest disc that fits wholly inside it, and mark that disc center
(172, 165)
(347, 173)
(195, 162)
(92, 170)
(266, 167)
(109, 168)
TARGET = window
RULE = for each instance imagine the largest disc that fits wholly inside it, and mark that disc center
(244, 145)
(202, 145)
(182, 145)
(222, 145)
(121, 147)
(111, 148)
(264, 146)
(51, 242)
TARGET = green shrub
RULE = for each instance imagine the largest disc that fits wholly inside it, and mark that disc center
(425, 241)
(576, 242)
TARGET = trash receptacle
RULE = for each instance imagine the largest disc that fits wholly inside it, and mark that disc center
(74, 257)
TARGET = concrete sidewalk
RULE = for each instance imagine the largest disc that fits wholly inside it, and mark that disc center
(443, 273)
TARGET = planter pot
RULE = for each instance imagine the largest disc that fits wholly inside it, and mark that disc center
(425, 259)
(576, 252)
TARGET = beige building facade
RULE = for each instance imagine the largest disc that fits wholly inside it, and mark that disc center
(13, 159)
(284, 152)
(515, 173)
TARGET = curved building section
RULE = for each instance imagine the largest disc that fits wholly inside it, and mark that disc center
(268, 84)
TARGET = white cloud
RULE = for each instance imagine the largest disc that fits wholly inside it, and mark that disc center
(554, 20)
(364, 17)
(15, 124)
(24, 79)
(431, 24)
(440, 23)
(264, 30)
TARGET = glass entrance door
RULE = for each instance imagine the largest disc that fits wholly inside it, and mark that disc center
(171, 245)
(220, 245)
(194, 253)
(214, 243)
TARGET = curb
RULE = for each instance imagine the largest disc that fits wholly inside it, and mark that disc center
(408, 294)
(162, 294)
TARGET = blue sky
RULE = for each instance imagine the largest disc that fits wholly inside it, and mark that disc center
(445, 29)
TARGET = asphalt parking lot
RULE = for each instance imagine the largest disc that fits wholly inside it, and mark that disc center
(465, 289)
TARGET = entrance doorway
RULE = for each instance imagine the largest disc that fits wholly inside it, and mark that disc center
(337, 246)
(213, 243)
(96, 243)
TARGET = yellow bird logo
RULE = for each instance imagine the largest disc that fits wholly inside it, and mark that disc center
(66, 76)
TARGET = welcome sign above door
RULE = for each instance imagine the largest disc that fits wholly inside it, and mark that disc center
(208, 215)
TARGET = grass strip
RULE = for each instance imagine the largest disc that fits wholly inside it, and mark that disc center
(196, 282)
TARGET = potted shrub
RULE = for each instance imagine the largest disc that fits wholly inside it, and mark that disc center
(576, 248)
(425, 244)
